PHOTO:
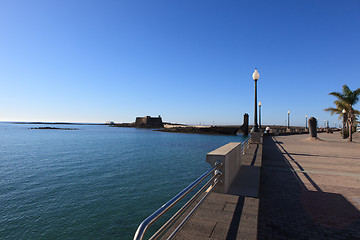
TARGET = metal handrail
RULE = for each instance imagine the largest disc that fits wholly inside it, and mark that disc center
(158, 213)
(183, 208)
(173, 234)
(245, 145)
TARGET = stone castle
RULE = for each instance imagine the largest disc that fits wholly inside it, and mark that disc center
(149, 122)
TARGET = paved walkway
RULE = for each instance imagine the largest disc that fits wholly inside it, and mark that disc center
(309, 189)
(230, 216)
(223, 216)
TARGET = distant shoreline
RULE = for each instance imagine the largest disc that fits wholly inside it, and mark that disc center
(56, 123)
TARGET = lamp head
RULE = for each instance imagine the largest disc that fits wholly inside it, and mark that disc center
(255, 75)
(344, 111)
(259, 104)
(306, 116)
(289, 112)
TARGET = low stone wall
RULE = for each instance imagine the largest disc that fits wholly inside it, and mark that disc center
(241, 170)
(230, 156)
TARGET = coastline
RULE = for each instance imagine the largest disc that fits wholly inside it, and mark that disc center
(56, 123)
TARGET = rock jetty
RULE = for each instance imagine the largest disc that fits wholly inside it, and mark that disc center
(202, 130)
(55, 128)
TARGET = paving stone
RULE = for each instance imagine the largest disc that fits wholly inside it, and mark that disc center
(200, 227)
(316, 205)
(241, 214)
(308, 190)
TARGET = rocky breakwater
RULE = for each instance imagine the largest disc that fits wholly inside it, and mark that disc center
(54, 128)
(122, 125)
(221, 130)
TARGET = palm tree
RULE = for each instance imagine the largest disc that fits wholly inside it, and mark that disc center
(346, 100)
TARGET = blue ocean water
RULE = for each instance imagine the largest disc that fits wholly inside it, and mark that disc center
(97, 182)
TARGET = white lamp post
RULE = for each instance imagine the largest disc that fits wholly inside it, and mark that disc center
(289, 119)
(317, 122)
(255, 76)
(260, 115)
(343, 130)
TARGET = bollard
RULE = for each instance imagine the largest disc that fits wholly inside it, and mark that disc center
(312, 127)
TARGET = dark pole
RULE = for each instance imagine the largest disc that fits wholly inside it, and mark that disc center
(260, 116)
(306, 122)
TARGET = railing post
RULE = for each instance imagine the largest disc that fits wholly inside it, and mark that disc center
(230, 156)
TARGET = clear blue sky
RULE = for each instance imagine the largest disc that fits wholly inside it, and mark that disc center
(190, 61)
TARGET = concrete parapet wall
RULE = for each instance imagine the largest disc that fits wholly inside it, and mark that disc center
(230, 156)
(241, 171)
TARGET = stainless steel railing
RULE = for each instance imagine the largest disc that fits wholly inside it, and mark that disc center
(245, 145)
(209, 186)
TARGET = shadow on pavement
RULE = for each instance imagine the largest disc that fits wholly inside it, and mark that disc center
(254, 157)
(288, 210)
(315, 155)
(235, 221)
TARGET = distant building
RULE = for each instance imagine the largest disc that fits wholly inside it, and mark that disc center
(109, 123)
(149, 122)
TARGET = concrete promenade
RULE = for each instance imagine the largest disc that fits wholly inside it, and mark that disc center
(308, 190)
(230, 216)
